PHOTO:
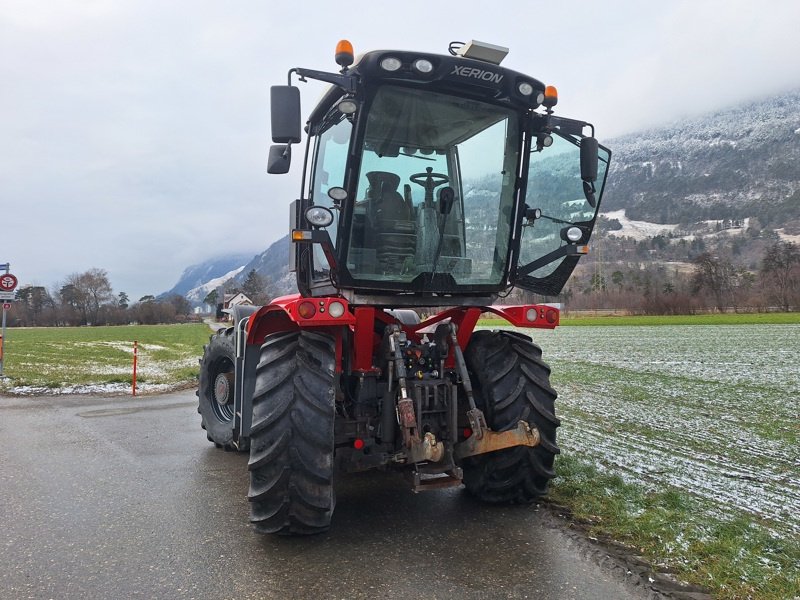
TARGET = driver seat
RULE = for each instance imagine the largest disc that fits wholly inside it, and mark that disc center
(386, 203)
(392, 217)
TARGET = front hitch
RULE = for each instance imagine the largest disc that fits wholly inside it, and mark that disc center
(492, 441)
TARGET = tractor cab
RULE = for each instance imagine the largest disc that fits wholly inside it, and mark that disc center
(434, 176)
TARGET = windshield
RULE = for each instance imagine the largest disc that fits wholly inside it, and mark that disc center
(435, 190)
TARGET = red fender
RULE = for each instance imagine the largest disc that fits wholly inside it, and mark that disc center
(291, 313)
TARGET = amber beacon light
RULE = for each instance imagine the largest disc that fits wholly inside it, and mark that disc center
(344, 53)
(550, 96)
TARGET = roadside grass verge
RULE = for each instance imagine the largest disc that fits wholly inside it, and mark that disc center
(735, 557)
(69, 359)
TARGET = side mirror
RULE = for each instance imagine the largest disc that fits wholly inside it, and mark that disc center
(280, 159)
(589, 149)
(285, 112)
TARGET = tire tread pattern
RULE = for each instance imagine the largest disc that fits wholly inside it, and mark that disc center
(291, 445)
(511, 383)
(220, 347)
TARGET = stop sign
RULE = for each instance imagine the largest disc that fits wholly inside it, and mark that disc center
(7, 282)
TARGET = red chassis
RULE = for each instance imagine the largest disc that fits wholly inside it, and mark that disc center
(290, 313)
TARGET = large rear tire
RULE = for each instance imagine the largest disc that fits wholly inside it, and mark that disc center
(291, 442)
(215, 391)
(511, 384)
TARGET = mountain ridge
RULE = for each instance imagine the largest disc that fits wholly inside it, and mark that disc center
(737, 164)
(734, 163)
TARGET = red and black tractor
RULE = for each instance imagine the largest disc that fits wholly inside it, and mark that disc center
(432, 186)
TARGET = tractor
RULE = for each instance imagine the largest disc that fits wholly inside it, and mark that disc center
(432, 186)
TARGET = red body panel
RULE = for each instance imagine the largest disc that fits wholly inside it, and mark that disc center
(283, 314)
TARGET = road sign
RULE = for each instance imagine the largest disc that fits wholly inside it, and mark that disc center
(7, 282)
(6, 306)
(6, 296)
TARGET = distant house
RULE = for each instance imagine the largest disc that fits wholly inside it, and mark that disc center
(229, 301)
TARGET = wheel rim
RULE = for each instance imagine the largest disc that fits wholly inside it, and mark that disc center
(223, 394)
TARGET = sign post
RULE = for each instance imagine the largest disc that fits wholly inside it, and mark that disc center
(7, 285)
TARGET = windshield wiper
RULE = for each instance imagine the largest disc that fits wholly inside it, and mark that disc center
(419, 157)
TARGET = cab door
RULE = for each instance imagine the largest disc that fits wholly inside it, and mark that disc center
(559, 213)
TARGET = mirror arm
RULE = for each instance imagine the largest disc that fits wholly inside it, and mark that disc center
(567, 126)
(568, 250)
(347, 82)
(323, 238)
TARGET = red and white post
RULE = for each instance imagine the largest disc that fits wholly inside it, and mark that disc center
(135, 361)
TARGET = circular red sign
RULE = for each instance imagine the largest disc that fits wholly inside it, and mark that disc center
(6, 306)
(8, 282)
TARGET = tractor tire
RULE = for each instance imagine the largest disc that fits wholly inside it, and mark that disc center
(291, 441)
(405, 316)
(511, 384)
(215, 391)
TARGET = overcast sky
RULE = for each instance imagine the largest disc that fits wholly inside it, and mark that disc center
(134, 133)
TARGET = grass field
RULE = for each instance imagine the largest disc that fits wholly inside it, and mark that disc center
(683, 443)
(100, 359)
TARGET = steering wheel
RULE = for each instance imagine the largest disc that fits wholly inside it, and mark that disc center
(429, 180)
(436, 179)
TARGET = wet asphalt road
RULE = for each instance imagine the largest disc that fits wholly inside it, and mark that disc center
(124, 498)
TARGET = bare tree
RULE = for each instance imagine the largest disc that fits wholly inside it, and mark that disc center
(87, 292)
(780, 273)
(721, 278)
(150, 312)
(180, 304)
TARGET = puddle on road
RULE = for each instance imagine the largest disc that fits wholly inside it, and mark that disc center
(128, 410)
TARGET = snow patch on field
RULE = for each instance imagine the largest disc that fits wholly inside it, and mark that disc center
(126, 347)
(786, 237)
(638, 230)
(153, 371)
(96, 389)
(707, 455)
(711, 410)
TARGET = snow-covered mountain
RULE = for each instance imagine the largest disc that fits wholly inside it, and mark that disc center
(273, 265)
(705, 176)
(197, 294)
(199, 275)
(732, 164)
